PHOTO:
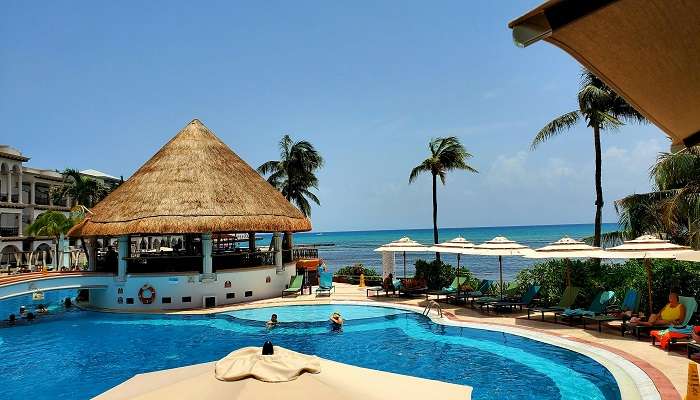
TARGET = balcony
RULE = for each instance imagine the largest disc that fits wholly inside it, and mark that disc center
(9, 231)
(299, 253)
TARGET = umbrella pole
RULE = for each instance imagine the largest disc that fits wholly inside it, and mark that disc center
(647, 267)
(500, 267)
(404, 265)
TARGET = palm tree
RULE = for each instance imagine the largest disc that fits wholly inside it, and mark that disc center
(54, 224)
(446, 154)
(83, 190)
(602, 109)
(294, 174)
(672, 210)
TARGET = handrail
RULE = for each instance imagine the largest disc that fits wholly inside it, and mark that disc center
(429, 307)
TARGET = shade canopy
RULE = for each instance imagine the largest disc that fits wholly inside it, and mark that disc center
(567, 247)
(691, 255)
(458, 245)
(193, 184)
(644, 50)
(500, 246)
(405, 244)
(312, 377)
(646, 246)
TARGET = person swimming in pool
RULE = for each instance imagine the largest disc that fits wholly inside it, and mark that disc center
(336, 319)
(273, 321)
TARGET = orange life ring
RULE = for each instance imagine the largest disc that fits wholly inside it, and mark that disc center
(147, 294)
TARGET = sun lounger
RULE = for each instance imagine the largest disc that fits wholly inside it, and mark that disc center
(325, 283)
(691, 306)
(412, 286)
(676, 334)
(484, 289)
(628, 308)
(567, 300)
(509, 296)
(598, 306)
(457, 282)
(525, 300)
(294, 285)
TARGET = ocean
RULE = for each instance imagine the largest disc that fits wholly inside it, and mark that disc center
(353, 247)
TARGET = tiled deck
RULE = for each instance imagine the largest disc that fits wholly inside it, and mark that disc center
(667, 370)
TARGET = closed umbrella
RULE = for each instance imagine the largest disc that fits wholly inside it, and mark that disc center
(501, 247)
(458, 245)
(246, 374)
(404, 245)
(567, 248)
(646, 247)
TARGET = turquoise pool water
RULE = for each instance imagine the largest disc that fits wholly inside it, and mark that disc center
(78, 354)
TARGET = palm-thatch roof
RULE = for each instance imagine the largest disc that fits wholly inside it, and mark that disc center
(193, 184)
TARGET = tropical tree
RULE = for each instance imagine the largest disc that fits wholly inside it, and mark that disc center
(54, 224)
(83, 190)
(294, 174)
(602, 110)
(672, 209)
(446, 154)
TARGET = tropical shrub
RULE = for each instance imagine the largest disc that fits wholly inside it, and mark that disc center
(592, 277)
(351, 273)
(438, 274)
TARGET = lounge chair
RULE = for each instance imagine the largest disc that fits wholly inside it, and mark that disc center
(568, 299)
(457, 282)
(510, 294)
(525, 300)
(628, 308)
(325, 283)
(691, 305)
(482, 290)
(412, 286)
(598, 306)
(295, 285)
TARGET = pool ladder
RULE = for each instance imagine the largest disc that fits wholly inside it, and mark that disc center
(432, 304)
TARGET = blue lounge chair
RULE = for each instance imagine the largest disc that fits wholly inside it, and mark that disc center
(598, 306)
(325, 283)
(525, 300)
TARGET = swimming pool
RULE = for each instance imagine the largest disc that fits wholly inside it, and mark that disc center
(80, 354)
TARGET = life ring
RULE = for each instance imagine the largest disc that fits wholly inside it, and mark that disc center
(147, 294)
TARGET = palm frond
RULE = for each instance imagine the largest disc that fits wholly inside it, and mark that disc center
(555, 127)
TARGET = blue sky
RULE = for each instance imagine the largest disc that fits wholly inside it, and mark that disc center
(103, 85)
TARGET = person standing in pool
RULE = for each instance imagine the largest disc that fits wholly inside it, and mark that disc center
(336, 321)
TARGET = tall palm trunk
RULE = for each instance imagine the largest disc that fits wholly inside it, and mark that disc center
(598, 187)
(435, 209)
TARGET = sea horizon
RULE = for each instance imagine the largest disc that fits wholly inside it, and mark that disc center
(344, 248)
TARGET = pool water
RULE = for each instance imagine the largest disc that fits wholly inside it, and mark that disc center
(79, 354)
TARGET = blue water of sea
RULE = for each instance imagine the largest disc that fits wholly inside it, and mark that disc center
(357, 246)
(78, 354)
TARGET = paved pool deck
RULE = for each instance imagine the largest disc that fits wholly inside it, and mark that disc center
(668, 370)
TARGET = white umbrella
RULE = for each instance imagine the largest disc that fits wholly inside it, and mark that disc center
(246, 374)
(567, 248)
(458, 245)
(500, 246)
(646, 247)
(404, 245)
(690, 255)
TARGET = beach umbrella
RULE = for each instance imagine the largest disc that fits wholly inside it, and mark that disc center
(565, 249)
(690, 255)
(458, 245)
(647, 248)
(404, 245)
(246, 374)
(500, 247)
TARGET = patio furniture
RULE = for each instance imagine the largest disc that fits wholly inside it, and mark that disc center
(412, 286)
(376, 289)
(325, 283)
(525, 300)
(295, 285)
(457, 282)
(597, 307)
(691, 306)
(626, 309)
(693, 348)
(568, 299)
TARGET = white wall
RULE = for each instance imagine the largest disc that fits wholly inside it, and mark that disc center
(177, 286)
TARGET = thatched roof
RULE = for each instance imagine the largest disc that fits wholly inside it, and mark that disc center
(193, 184)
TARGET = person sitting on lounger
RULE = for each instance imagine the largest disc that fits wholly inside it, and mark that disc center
(673, 313)
(389, 283)
(273, 321)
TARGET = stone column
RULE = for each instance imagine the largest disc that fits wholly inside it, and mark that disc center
(207, 269)
(277, 247)
(252, 247)
(19, 223)
(123, 252)
(9, 186)
(19, 191)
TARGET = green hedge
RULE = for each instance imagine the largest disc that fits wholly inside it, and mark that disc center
(438, 274)
(593, 277)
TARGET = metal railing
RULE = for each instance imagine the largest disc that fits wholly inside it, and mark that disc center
(9, 231)
(432, 305)
(299, 253)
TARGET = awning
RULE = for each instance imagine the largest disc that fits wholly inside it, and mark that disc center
(647, 51)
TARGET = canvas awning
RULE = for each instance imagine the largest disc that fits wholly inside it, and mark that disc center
(647, 51)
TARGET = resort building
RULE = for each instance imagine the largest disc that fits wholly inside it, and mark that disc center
(25, 192)
(211, 205)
